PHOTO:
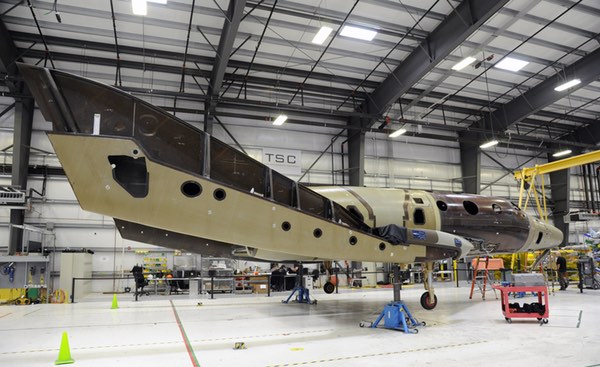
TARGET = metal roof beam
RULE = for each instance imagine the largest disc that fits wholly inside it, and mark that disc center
(228, 35)
(467, 17)
(81, 44)
(543, 94)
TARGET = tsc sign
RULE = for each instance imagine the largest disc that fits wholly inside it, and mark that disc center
(283, 160)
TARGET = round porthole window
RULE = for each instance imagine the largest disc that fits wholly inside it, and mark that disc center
(353, 240)
(317, 232)
(382, 246)
(286, 226)
(191, 189)
(219, 194)
(441, 205)
(471, 207)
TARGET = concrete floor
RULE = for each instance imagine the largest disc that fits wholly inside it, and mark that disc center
(176, 331)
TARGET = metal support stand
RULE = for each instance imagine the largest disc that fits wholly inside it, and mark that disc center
(395, 314)
(303, 296)
(300, 288)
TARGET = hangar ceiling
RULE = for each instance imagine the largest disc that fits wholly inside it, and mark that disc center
(256, 59)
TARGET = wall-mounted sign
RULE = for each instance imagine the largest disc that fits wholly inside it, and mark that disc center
(288, 162)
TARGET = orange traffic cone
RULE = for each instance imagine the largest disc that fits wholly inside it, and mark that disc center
(64, 355)
(115, 304)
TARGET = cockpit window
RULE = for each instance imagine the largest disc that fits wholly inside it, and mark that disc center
(418, 200)
(539, 239)
(471, 207)
(497, 209)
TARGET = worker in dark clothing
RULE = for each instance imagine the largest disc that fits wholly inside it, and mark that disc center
(561, 264)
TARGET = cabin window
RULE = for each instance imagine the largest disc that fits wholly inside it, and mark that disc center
(441, 205)
(419, 216)
(191, 189)
(471, 207)
(497, 209)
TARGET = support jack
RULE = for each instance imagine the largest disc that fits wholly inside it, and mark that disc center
(302, 297)
(396, 316)
(300, 288)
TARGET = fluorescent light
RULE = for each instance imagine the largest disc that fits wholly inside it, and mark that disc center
(567, 85)
(397, 133)
(464, 63)
(359, 33)
(280, 120)
(562, 152)
(140, 7)
(322, 35)
(489, 144)
(511, 64)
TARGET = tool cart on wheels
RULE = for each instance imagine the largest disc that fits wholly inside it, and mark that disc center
(539, 310)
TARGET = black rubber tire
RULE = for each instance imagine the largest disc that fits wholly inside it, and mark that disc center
(329, 288)
(425, 301)
(361, 324)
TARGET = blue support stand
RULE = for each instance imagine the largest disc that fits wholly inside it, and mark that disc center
(302, 297)
(396, 316)
(300, 288)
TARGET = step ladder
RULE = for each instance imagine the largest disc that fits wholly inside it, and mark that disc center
(481, 277)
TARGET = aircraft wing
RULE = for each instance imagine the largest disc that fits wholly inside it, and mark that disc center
(163, 178)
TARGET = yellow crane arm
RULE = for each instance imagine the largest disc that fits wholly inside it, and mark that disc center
(527, 174)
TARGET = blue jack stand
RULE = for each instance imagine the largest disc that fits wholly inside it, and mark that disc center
(300, 287)
(396, 316)
(303, 296)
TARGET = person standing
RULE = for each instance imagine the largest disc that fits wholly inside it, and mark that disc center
(561, 264)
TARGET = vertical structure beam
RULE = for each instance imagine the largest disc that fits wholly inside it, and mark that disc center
(21, 144)
(356, 154)
(559, 189)
(470, 165)
(22, 129)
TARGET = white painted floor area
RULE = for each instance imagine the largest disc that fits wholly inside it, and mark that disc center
(459, 332)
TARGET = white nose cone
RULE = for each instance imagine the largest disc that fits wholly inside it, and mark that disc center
(542, 236)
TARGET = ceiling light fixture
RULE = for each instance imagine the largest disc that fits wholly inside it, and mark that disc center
(511, 64)
(280, 120)
(358, 33)
(397, 133)
(562, 152)
(322, 35)
(140, 7)
(567, 85)
(464, 63)
(489, 144)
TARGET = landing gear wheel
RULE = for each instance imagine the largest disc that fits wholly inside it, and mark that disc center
(329, 287)
(426, 303)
